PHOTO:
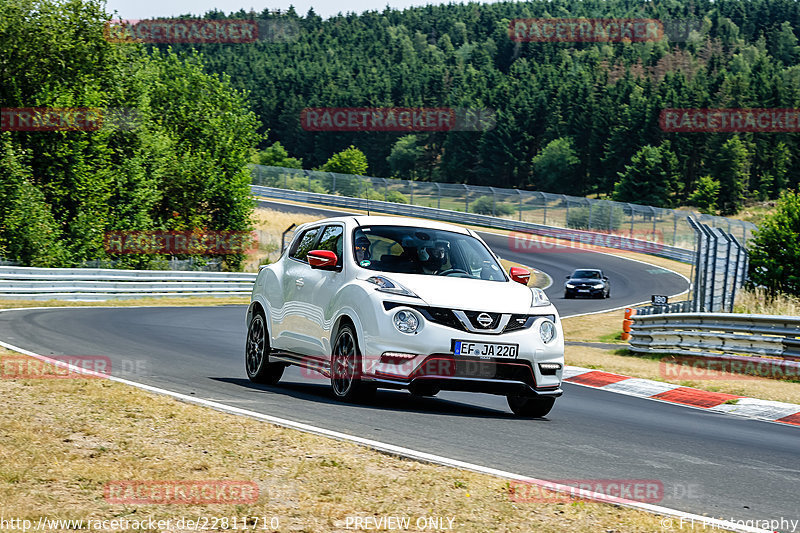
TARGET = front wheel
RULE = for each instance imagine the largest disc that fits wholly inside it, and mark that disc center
(259, 369)
(346, 380)
(526, 407)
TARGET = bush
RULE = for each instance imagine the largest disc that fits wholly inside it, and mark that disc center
(605, 217)
(485, 205)
(396, 197)
(775, 248)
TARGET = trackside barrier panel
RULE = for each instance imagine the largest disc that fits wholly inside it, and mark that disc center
(758, 338)
(28, 283)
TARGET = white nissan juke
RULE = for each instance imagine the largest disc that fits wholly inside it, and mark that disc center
(400, 303)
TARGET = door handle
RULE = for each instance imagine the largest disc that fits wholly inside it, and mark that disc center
(299, 282)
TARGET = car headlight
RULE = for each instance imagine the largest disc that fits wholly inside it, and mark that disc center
(547, 330)
(406, 321)
(598, 285)
(539, 298)
(570, 286)
(386, 285)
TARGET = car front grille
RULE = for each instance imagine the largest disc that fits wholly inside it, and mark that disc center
(446, 317)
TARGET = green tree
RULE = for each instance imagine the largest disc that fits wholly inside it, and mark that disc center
(650, 179)
(405, 157)
(276, 156)
(555, 165)
(731, 167)
(349, 161)
(775, 248)
(705, 195)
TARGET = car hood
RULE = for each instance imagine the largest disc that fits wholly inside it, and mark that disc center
(467, 294)
(584, 280)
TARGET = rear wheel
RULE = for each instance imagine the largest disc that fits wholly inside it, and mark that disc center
(526, 407)
(259, 368)
(346, 380)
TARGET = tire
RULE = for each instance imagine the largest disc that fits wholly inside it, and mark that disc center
(567, 296)
(346, 382)
(608, 294)
(424, 389)
(256, 353)
(525, 407)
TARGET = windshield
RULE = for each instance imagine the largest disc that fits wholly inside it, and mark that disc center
(586, 274)
(410, 250)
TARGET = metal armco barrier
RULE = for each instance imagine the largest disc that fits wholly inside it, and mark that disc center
(82, 284)
(759, 338)
(720, 269)
(577, 236)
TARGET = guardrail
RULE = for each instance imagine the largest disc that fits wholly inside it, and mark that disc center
(761, 338)
(446, 215)
(82, 284)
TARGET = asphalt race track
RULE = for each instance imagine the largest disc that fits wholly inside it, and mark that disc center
(719, 465)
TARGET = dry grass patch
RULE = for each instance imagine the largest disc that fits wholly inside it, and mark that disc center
(759, 302)
(62, 441)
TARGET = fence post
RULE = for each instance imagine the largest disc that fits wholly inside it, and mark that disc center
(411, 185)
(633, 217)
(334, 182)
(544, 205)
(309, 180)
(385, 190)
(674, 229)
(519, 193)
(466, 198)
(494, 202)
(438, 196)
(591, 206)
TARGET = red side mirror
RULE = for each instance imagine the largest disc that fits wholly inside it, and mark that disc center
(322, 259)
(520, 275)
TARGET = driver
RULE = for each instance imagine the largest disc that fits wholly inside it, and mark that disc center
(361, 247)
(434, 257)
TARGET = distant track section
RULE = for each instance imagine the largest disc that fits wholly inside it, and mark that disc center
(474, 219)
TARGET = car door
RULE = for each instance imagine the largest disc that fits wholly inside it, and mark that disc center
(318, 293)
(293, 330)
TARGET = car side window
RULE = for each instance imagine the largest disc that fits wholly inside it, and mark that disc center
(304, 244)
(332, 240)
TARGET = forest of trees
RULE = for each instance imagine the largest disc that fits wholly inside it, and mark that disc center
(578, 118)
(177, 165)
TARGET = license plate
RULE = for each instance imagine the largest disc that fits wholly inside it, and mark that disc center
(482, 349)
(583, 290)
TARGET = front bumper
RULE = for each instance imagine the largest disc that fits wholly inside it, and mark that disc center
(426, 358)
(584, 291)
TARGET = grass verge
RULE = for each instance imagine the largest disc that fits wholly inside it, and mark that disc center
(63, 440)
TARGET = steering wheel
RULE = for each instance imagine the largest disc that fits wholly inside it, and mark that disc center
(453, 271)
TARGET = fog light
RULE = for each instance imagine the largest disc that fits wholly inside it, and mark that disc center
(549, 369)
(406, 321)
(547, 330)
(397, 355)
